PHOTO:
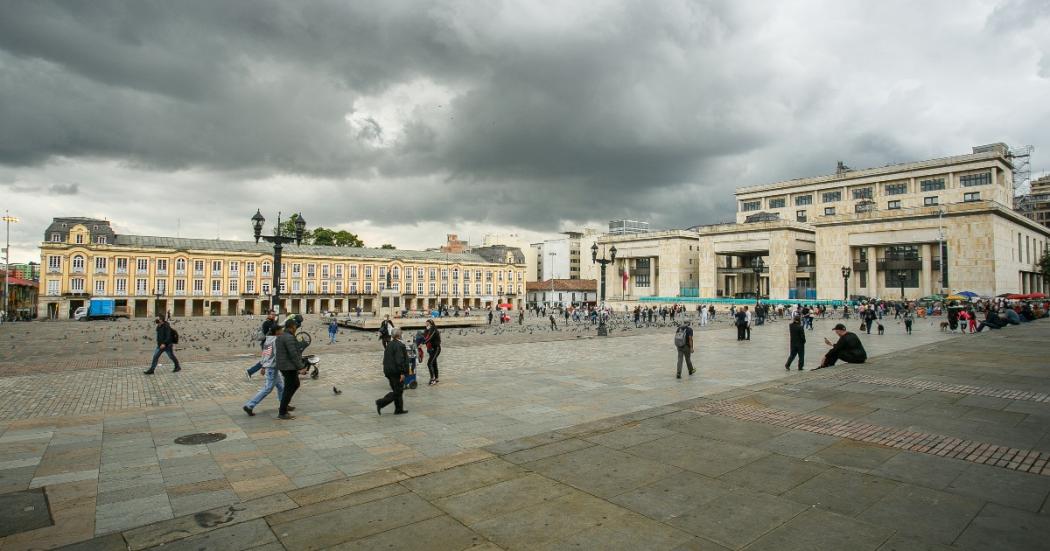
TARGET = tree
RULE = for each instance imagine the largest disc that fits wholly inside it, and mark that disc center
(336, 238)
(288, 229)
(1044, 264)
(387, 246)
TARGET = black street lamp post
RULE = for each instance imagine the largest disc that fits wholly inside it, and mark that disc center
(845, 283)
(901, 276)
(278, 241)
(757, 266)
(603, 331)
(157, 293)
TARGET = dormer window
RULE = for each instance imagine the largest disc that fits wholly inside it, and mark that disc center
(100, 240)
(56, 237)
(80, 239)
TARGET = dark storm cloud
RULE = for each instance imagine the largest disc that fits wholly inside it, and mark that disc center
(527, 114)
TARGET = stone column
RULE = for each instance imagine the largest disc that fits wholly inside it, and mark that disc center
(873, 275)
(707, 269)
(926, 278)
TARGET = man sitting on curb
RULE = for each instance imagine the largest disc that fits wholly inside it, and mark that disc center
(848, 349)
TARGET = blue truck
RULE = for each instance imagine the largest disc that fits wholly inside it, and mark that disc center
(101, 309)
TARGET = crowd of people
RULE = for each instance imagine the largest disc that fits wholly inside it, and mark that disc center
(282, 353)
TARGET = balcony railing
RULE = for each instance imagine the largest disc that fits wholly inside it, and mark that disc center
(216, 292)
(141, 271)
(180, 272)
(180, 292)
(141, 292)
(198, 293)
(78, 270)
(54, 269)
(199, 273)
(162, 272)
(101, 270)
(121, 292)
(742, 270)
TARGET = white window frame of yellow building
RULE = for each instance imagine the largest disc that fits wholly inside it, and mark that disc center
(311, 287)
(297, 269)
(249, 286)
(77, 264)
(54, 287)
(353, 271)
(338, 286)
(266, 288)
(433, 274)
(198, 287)
(79, 239)
(284, 287)
(180, 266)
(100, 264)
(311, 270)
(249, 268)
(216, 268)
(100, 240)
(235, 268)
(368, 271)
(100, 287)
(235, 285)
(368, 287)
(141, 286)
(432, 288)
(353, 287)
(296, 286)
(325, 271)
(141, 266)
(54, 263)
(395, 273)
(324, 286)
(419, 272)
(121, 286)
(488, 288)
(180, 286)
(198, 267)
(56, 237)
(162, 266)
(339, 271)
(382, 272)
(477, 288)
(76, 285)
(419, 287)
(161, 286)
(267, 269)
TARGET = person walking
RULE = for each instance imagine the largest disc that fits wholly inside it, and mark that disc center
(385, 329)
(798, 344)
(869, 316)
(333, 330)
(273, 378)
(267, 329)
(703, 316)
(848, 349)
(749, 321)
(909, 318)
(683, 341)
(432, 338)
(554, 324)
(521, 317)
(289, 361)
(490, 315)
(165, 345)
(395, 368)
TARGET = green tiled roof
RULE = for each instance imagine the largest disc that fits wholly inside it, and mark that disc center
(182, 243)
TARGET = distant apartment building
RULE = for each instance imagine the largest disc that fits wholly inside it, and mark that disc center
(1036, 205)
(567, 257)
(453, 244)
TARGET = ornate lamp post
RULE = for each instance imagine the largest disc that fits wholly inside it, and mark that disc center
(901, 276)
(157, 293)
(603, 331)
(845, 282)
(757, 265)
(278, 241)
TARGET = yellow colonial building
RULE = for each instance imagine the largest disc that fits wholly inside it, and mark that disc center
(82, 258)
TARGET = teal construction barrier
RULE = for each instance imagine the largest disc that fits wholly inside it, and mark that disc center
(743, 301)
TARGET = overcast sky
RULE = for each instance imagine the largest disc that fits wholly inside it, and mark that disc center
(403, 121)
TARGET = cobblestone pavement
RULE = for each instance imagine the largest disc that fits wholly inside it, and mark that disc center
(100, 442)
(835, 459)
(48, 347)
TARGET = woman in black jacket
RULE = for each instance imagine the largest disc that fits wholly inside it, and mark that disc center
(432, 338)
(289, 361)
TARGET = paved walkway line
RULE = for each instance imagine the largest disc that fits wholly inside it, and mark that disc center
(971, 390)
(1015, 459)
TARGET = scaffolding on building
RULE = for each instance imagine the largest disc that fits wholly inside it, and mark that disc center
(1021, 157)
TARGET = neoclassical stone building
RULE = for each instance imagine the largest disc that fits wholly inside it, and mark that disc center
(933, 226)
(82, 258)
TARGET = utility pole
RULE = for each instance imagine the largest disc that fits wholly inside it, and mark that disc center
(552, 254)
(7, 264)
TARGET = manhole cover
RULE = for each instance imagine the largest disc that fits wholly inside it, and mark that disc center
(24, 511)
(200, 438)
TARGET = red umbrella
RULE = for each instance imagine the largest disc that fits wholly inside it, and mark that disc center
(1016, 296)
(1035, 295)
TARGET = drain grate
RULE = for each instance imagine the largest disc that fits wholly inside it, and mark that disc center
(24, 511)
(200, 438)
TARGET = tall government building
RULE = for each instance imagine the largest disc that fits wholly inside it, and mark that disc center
(83, 258)
(935, 226)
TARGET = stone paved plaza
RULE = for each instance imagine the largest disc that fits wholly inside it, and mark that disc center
(941, 440)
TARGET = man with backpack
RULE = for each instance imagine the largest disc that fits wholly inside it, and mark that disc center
(166, 339)
(683, 341)
(386, 328)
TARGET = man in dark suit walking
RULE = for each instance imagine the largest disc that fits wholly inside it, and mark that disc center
(395, 368)
(798, 344)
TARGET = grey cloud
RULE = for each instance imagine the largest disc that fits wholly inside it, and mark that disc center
(63, 189)
(555, 112)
